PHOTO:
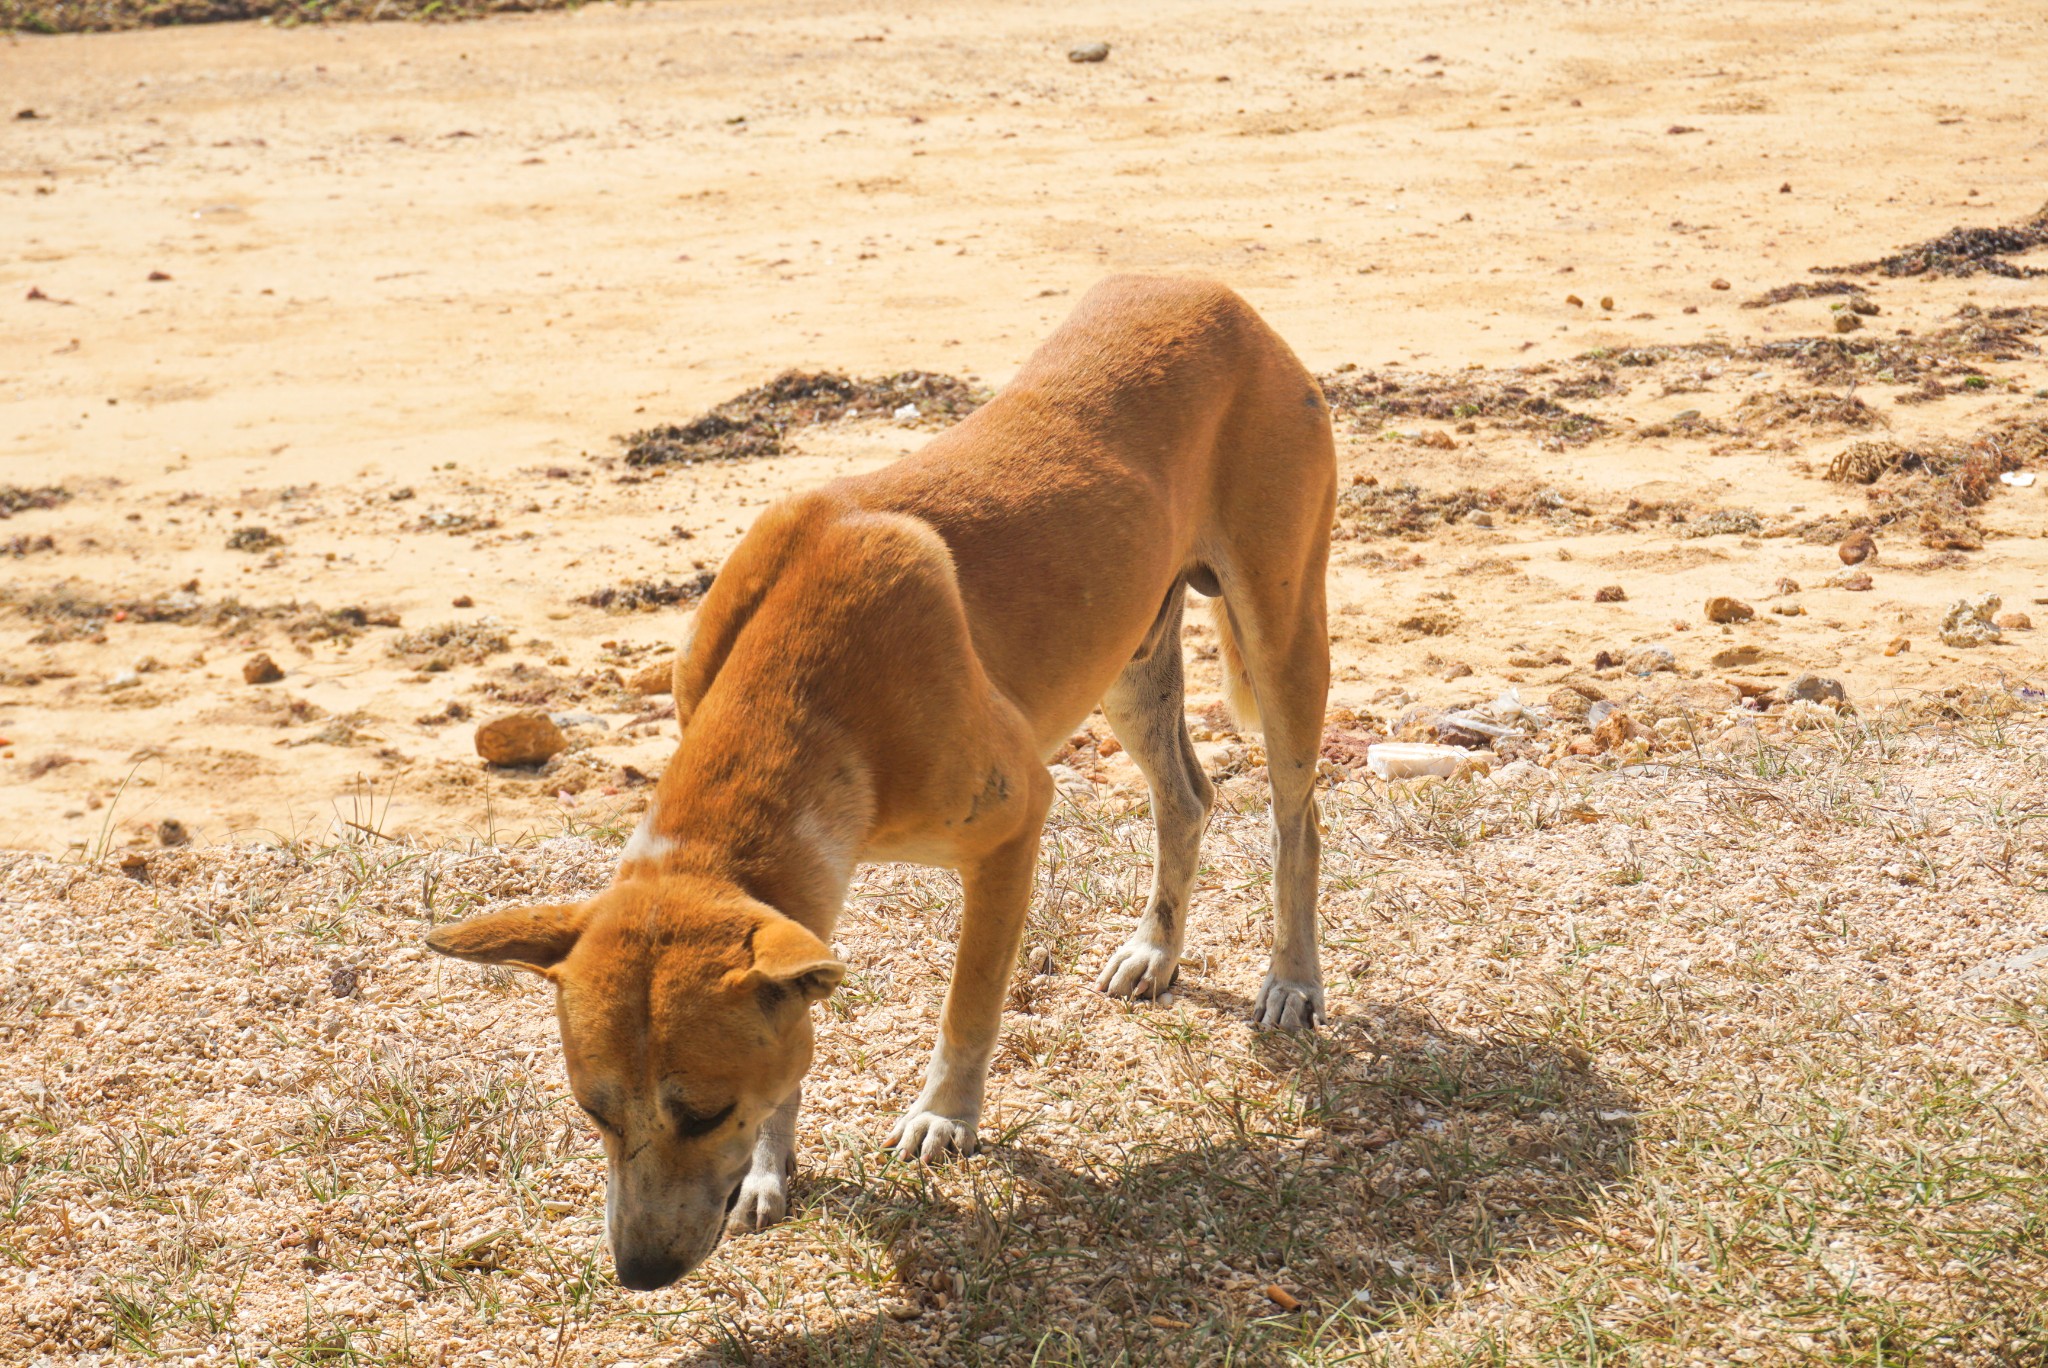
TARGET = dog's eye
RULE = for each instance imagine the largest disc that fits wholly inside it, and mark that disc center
(691, 1124)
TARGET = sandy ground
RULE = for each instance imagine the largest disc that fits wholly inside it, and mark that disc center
(459, 260)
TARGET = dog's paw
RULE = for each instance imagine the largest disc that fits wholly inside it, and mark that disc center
(1288, 1006)
(1138, 970)
(929, 1136)
(764, 1200)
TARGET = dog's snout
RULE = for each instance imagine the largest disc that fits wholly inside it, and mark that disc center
(645, 1273)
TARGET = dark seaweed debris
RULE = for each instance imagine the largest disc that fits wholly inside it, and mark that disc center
(15, 499)
(756, 423)
(1502, 398)
(72, 610)
(1805, 289)
(644, 596)
(1962, 252)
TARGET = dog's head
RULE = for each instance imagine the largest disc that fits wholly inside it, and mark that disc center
(684, 1009)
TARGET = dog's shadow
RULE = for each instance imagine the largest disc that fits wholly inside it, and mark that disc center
(1361, 1172)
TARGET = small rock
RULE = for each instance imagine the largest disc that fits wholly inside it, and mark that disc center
(2015, 622)
(1737, 656)
(171, 832)
(1607, 303)
(1857, 548)
(136, 866)
(1810, 688)
(1723, 609)
(463, 601)
(1458, 670)
(1040, 960)
(1722, 285)
(1612, 593)
(1788, 610)
(1899, 646)
(902, 1309)
(1858, 583)
(1685, 416)
(1650, 660)
(1089, 52)
(127, 679)
(657, 678)
(525, 738)
(344, 981)
(1071, 781)
(1846, 322)
(1863, 304)
(1575, 301)
(1616, 729)
(1971, 622)
(261, 669)
(1788, 586)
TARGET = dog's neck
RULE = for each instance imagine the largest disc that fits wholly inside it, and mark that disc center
(774, 810)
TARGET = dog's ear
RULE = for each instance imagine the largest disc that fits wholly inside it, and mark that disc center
(535, 938)
(788, 955)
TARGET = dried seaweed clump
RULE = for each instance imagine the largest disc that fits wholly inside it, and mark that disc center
(755, 424)
(17, 499)
(1503, 398)
(253, 539)
(1804, 289)
(71, 610)
(1962, 252)
(433, 649)
(645, 596)
(1813, 409)
(1929, 486)
(1724, 522)
(1368, 509)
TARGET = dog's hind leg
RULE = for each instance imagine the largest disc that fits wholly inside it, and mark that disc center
(1146, 708)
(764, 1192)
(1286, 650)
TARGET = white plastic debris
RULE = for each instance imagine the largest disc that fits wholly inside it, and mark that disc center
(1414, 759)
(907, 414)
(2018, 479)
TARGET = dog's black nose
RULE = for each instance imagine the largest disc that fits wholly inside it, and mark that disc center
(645, 1273)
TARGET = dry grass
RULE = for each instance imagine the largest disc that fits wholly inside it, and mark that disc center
(1741, 1055)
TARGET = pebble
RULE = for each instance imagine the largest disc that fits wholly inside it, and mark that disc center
(1089, 52)
(525, 738)
(1723, 609)
(127, 679)
(1736, 656)
(2015, 622)
(1650, 660)
(902, 1310)
(1846, 322)
(261, 669)
(1971, 622)
(1899, 646)
(171, 832)
(1722, 285)
(1813, 688)
(1857, 548)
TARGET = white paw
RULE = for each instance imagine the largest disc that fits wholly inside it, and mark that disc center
(764, 1200)
(1138, 969)
(1288, 1006)
(929, 1136)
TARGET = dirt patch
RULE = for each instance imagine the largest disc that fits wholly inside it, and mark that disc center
(1962, 252)
(17, 499)
(645, 596)
(757, 422)
(1804, 289)
(105, 16)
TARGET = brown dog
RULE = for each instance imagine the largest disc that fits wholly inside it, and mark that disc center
(879, 673)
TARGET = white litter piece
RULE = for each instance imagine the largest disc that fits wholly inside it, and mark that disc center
(907, 414)
(1414, 759)
(2018, 479)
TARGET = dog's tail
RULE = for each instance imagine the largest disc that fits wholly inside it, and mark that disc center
(1237, 683)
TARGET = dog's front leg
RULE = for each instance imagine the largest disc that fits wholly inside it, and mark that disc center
(764, 1194)
(998, 894)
